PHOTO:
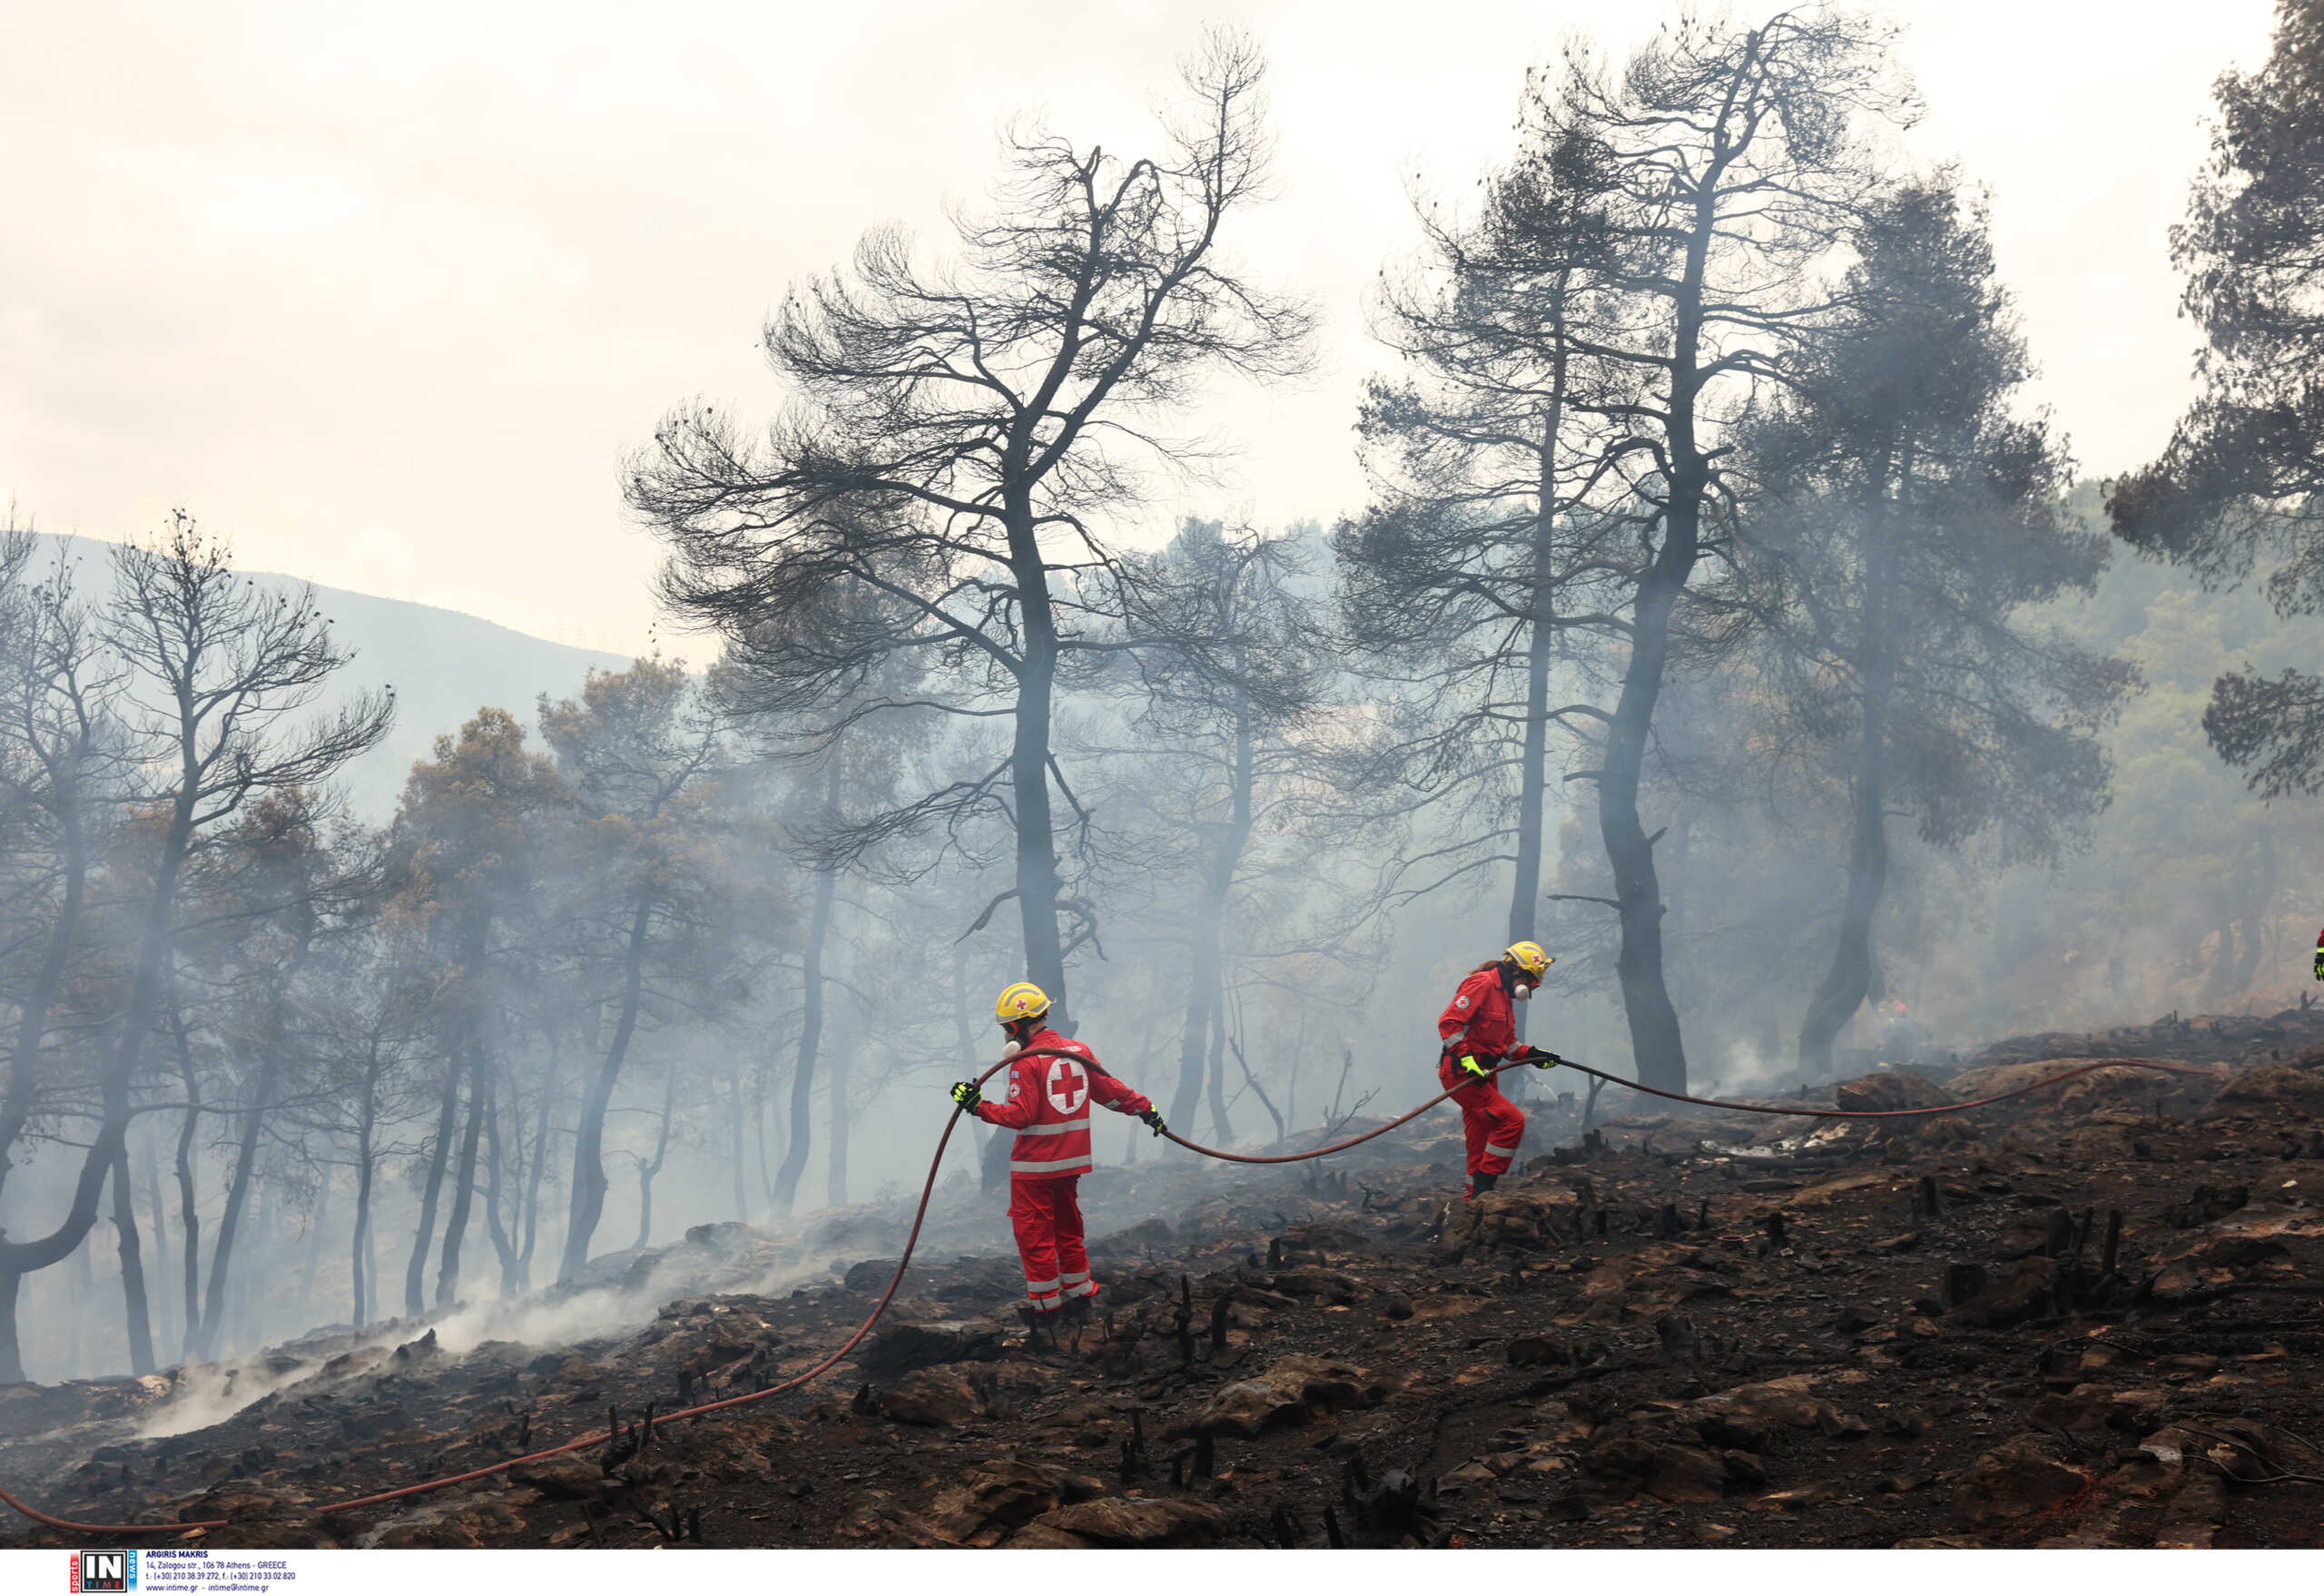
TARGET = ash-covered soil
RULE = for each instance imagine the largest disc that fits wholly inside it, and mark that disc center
(2094, 1318)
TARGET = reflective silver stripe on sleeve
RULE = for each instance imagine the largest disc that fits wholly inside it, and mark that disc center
(1046, 1165)
(1057, 1127)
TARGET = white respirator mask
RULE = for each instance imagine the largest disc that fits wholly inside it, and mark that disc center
(1521, 991)
(1010, 1049)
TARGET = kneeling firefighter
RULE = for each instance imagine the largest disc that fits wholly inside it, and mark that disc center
(1480, 1030)
(1047, 1106)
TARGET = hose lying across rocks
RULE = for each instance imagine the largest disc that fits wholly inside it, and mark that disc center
(928, 1188)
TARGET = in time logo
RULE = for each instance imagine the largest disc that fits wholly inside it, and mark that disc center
(104, 1570)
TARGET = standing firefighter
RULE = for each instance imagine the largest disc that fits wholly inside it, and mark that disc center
(1480, 1030)
(1047, 1107)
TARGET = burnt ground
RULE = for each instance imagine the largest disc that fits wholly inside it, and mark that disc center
(2095, 1318)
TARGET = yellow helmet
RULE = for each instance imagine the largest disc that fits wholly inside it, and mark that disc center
(1530, 957)
(1022, 1001)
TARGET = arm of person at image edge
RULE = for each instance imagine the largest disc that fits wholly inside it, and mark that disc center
(1482, 1007)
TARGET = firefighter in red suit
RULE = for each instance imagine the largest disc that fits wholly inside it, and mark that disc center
(1047, 1106)
(1480, 1030)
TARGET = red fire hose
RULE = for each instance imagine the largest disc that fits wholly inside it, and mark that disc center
(928, 1188)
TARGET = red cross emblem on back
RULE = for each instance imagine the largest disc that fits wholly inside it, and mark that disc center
(1068, 1088)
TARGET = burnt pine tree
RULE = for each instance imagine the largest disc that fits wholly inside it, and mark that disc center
(1459, 582)
(1730, 161)
(264, 897)
(465, 861)
(60, 752)
(2243, 480)
(215, 671)
(638, 754)
(1911, 517)
(821, 766)
(955, 433)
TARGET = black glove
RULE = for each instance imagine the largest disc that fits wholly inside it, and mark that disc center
(967, 1094)
(2320, 959)
(1153, 1117)
(1543, 1058)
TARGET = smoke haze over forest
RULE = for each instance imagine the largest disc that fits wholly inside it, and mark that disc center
(389, 290)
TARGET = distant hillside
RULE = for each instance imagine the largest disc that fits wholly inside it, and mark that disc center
(444, 666)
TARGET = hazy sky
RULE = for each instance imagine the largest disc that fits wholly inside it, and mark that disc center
(386, 290)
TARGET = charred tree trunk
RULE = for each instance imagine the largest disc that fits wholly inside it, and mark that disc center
(1038, 886)
(137, 1019)
(503, 1249)
(213, 1310)
(1656, 1046)
(18, 1104)
(32, 1035)
(1843, 989)
(314, 1252)
(189, 1216)
(244, 1323)
(133, 1267)
(1194, 1044)
(448, 1119)
(588, 1196)
(835, 1189)
(742, 1193)
(811, 1040)
(12, 1356)
(447, 1279)
(550, 1082)
(759, 1114)
(167, 1324)
(1217, 1076)
(1533, 777)
(1266, 1102)
(1202, 1051)
(359, 1245)
(646, 1172)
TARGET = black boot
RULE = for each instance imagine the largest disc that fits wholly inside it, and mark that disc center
(1480, 1183)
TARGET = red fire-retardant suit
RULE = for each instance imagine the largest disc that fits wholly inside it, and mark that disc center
(1047, 1106)
(1477, 1022)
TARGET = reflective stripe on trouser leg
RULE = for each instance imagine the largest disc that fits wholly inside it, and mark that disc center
(1491, 1126)
(1028, 1215)
(1065, 1220)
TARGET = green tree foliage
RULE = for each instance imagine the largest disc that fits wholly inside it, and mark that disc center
(2242, 484)
(1912, 518)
